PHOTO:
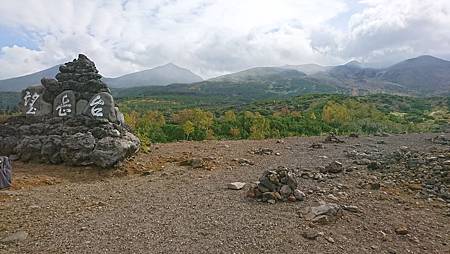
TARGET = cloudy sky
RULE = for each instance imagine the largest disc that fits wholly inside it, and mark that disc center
(213, 37)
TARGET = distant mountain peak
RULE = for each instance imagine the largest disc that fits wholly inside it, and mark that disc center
(159, 76)
(171, 65)
(354, 63)
(425, 59)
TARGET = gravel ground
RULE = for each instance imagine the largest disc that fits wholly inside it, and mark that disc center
(153, 205)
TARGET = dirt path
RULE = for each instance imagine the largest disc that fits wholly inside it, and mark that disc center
(177, 209)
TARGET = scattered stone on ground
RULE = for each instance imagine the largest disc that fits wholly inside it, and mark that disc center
(441, 139)
(324, 213)
(15, 237)
(401, 230)
(244, 162)
(236, 186)
(316, 146)
(334, 167)
(310, 234)
(262, 151)
(128, 213)
(207, 163)
(332, 138)
(425, 172)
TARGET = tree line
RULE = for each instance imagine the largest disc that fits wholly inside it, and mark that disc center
(282, 119)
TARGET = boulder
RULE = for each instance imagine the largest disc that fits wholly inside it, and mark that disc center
(101, 105)
(81, 106)
(32, 103)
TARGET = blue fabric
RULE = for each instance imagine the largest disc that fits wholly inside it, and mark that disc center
(5, 172)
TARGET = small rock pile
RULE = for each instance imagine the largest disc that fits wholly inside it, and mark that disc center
(80, 76)
(277, 185)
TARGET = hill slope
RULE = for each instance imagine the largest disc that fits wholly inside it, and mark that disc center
(248, 85)
(424, 74)
(308, 69)
(159, 76)
(19, 83)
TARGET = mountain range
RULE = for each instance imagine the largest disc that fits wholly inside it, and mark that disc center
(421, 76)
(158, 76)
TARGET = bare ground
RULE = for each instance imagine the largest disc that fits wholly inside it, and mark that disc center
(178, 209)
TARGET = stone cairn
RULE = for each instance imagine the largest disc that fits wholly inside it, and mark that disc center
(71, 119)
(276, 185)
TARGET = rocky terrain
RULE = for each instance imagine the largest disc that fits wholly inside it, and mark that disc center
(377, 194)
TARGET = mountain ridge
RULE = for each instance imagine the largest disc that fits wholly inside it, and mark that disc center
(160, 75)
(422, 76)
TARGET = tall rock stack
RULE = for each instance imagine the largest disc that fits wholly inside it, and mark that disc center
(71, 119)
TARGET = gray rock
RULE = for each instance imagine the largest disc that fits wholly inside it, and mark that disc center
(32, 103)
(81, 106)
(78, 149)
(351, 208)
(374, 165)
(299, 195)
(236, 185)
(16, 237)
(334, 167)
(29, 148)
(267, 183)
(120, 116)
(291, 181)
(5, 172)
(310, 234)
(8, 144)
(401, 230)
(51, 146)
(110, 151)
(285, 191)
(323, 213)
(266, 196)
(101, 105)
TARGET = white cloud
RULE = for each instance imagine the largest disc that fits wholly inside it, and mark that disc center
(212, 37)
(391, 29)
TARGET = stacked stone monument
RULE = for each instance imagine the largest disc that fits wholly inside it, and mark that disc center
(71, 119)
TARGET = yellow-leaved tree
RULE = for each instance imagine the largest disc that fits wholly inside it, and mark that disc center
(335, 113)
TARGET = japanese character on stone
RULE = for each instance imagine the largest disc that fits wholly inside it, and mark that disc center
(29, 101)
(65, 107)
(96, 109)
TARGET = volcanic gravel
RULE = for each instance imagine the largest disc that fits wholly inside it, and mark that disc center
(152, 204)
